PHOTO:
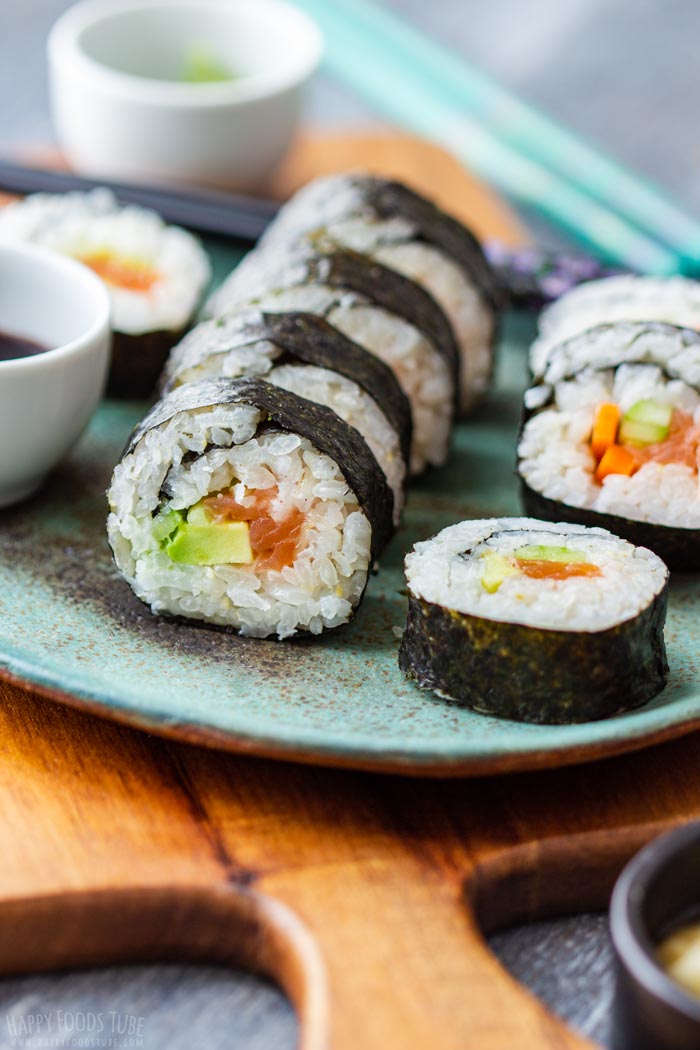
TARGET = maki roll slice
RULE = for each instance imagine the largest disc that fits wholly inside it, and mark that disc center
(303, 353)
(611, 436)
(407, 233)
(386, 313)
(240, 504)
(155, 274)
(623, 297)
(537, 622)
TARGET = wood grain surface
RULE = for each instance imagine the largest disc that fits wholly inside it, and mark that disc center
(364, 896)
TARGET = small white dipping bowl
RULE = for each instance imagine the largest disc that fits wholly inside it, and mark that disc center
(120, 109)
(46, 400)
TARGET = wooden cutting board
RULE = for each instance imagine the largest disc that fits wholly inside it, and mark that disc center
(363, 895)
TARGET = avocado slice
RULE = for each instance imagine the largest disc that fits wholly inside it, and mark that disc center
(215, 543)
(646, 423)
(536, 552)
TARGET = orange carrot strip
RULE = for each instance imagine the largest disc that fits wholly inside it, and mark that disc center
(604, 434)
(616, 460)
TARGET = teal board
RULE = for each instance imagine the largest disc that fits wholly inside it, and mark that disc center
(72, 629)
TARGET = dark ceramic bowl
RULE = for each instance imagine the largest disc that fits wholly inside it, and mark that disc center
(658, 891)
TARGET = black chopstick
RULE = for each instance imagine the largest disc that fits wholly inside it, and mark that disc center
(207, 212)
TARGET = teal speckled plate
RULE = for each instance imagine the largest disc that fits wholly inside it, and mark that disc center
(70, 628)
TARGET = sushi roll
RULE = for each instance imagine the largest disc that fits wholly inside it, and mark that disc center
(611, 434)
(623, 297)
(534, 621)
(240, 504)
(387, 314)
(155, 274)
(407, 233)
(304, 354)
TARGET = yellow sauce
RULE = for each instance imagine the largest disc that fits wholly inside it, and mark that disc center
(679, 955)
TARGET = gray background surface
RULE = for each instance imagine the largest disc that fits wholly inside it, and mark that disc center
(625, 74)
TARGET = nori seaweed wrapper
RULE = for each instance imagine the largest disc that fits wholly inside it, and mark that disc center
(320, 425)
(316, 259)
(338, 267)
(532, 674)
(388, 199)
(137, 361)
(309, 339)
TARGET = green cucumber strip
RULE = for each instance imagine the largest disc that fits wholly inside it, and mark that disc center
(633, 432)
(165, 524)
(198, 515)
(536, 552)
(655, 413)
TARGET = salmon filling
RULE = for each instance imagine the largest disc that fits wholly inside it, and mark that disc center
(275, 544)
(130, 274)
(615, 453)
(536, 561)
(539, 569)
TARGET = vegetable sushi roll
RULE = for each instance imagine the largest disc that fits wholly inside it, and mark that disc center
(155, 274)
(542, 623)
(241, 504)
(410, 235)
(611, 435)
(675, 300)
(304, 354)
(387, 314)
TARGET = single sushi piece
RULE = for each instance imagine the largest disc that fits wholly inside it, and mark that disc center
(241, 504)
(304, 354)
(408, 234)
(611, 434)
(155, 274)
(382, 311)
(623, 297)
(534, 621)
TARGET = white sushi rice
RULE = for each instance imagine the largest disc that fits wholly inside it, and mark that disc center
(422, 372)
(88, 224)
(321, 385)
(439, 571)
(336, 205)
(358, 410)
(325, 582)
(555, 457)
(675, 300)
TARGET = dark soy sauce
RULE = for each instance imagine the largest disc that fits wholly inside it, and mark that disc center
(13, 346)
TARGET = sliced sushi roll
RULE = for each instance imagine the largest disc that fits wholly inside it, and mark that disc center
(155, 274)
(611, 435)
(241, 504)
(304, 354)
(623, 297)
(534, 621)
(410, 235)
(386, 313)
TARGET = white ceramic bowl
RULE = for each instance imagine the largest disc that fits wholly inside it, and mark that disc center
(120, 111)
(46, 400)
